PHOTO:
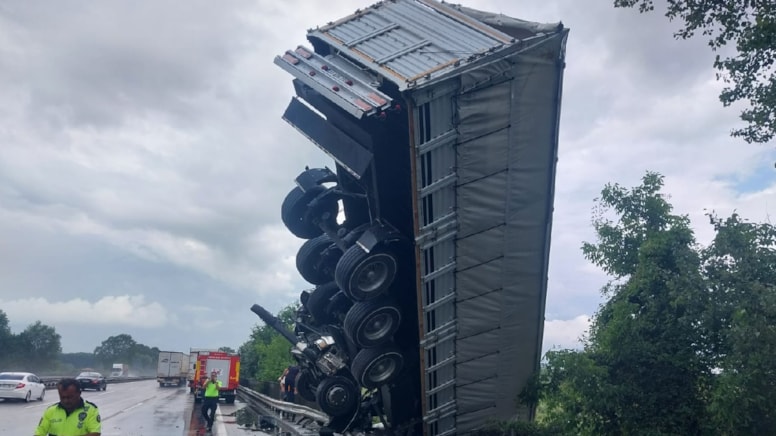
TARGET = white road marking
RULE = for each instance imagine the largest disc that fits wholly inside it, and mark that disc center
(220, 426)
(132, 407)
(105, 418)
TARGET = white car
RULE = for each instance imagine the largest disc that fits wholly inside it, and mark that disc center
(24, 386)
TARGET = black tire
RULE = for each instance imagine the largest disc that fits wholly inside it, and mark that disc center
(299, 218)
(28, 397)
(313, 264)
(374, 367)
(364, 276)
(372, 323)
(337, 396)
(229, 399)
(42, 394)
(319, 302)
(305, 386)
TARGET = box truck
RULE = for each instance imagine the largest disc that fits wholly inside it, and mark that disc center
(172, 368)
(120, 370)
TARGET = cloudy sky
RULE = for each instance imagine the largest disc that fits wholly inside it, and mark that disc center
(143, 160)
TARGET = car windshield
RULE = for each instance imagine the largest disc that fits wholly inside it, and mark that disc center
(88, 374)
(11, 376)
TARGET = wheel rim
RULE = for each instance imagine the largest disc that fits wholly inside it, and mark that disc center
(378, 326)
(382, 369)
(372, 276)
(337, 396)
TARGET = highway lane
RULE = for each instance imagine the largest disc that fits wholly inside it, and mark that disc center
(129, 409)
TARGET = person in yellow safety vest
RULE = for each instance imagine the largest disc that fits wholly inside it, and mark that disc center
(72, 416)
(210, 398)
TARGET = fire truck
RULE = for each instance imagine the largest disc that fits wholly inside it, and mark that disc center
(226, 365)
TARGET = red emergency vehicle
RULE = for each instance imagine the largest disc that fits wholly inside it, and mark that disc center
(226, 365)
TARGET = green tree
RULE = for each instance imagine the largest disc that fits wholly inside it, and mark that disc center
(144, 359)
(226, 349)
(740, 266)
(572, 387)
(646, 334)
(266, 353)
(750, 26)
(641, 370)
(116, 349)
(7, 341)
(73, 362)
(686, 340)
(273, 358)
(40, 346)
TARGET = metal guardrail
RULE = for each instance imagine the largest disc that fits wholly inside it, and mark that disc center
(51, 381)
(294, 419)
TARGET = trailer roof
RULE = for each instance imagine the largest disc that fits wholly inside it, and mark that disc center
(415, 42)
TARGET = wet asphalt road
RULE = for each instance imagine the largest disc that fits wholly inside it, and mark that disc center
(130, 409)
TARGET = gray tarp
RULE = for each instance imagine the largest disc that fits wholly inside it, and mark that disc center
(511, 26)
(506, 156)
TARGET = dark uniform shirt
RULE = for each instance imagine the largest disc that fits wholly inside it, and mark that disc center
(83, 420)
(293, 371)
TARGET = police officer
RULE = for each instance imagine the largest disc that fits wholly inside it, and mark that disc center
(72, 415)
(210, 398)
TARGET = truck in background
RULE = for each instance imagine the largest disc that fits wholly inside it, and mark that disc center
(172, 368)
(226, 365)
(120, 370)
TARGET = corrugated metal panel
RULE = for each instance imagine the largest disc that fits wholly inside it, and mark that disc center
(336, 80)
(407, 40)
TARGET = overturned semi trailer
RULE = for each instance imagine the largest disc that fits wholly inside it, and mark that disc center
(442, 122)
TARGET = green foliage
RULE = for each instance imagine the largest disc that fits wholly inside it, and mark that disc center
(266, 353)
(741, 268)
(116, 349)
(144, 360)
(641, 213)
(73, 362)
(574, 393)
(750, 75)
(39, 346)
(273, 358)
(7, 341)
(676, 314)
(5, 328)
(518, 428)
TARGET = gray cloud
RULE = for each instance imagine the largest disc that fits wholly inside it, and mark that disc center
(142, 156)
